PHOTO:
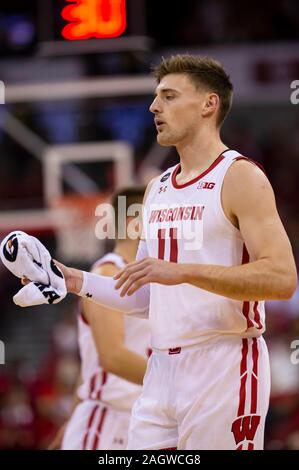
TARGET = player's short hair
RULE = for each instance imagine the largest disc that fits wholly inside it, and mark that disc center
(203, 71)
(133, 195)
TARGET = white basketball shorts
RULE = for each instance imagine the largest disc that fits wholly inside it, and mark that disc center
(210, 396)
(94, 426)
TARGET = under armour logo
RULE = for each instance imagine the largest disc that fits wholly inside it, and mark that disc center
(88, 295)
(162, 189)
(118, 441)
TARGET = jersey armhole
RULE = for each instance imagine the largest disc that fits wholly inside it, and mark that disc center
(221, 210)
(253, 162)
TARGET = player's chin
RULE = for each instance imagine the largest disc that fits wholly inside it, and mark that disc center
(164, 140)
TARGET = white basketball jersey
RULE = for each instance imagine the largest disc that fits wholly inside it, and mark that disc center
(186, 224)
(97, 384)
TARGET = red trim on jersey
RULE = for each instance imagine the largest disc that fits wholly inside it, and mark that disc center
(254, 376)
(173, 245)
(245, 255)
(169, 448)
(197, 178)
(246, 303)
(104, 380)
(243, 377)
(253, 384)
(99, 429)
(245, 311)
(251, 161)
(257, 317)
(92, 384)
(89, 424)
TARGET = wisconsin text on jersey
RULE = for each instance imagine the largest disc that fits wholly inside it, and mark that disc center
(176, 213)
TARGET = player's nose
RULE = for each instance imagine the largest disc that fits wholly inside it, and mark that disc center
(155, 107)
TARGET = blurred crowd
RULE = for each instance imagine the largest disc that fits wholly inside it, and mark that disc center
(224, 21)
(36, 400)
(282, 425)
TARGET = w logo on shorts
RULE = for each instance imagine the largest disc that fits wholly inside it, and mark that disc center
(245, 427)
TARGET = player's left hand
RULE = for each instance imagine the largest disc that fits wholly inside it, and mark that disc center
(138, 273)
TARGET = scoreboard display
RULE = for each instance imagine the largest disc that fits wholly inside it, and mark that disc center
(77, 20)
(94, 19)
(24, 25)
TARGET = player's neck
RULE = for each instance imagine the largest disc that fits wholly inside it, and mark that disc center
(127, 249)
(199, 153)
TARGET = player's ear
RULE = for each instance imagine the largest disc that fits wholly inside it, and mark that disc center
(210, 105)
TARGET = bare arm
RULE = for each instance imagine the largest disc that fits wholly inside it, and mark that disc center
(74, 277)
(251, 206)
(108, 333)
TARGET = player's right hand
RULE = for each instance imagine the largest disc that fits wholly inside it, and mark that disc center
(73, 277)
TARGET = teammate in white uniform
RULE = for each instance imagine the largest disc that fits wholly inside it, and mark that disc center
(215, 249)
(114, 350)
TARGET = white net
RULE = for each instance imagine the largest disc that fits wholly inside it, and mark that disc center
(76, 223)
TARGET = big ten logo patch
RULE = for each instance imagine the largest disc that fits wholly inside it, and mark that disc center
(205, 185)
(162, 189)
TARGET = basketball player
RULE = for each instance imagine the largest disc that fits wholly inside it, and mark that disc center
(214, 250)
(113, 350)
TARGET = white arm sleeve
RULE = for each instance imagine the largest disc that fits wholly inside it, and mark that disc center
(101, 290)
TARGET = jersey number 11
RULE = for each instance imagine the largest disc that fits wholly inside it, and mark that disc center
(173, 244)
